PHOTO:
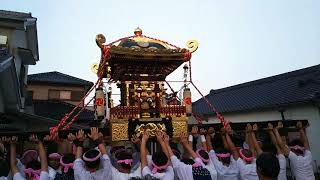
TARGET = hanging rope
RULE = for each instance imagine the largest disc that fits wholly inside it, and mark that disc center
(104, 56)
(54, 131)
(76, 116)
(197, 117)
(224, 122)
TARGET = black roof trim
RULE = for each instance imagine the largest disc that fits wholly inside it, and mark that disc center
(55, 77)
(15, 15)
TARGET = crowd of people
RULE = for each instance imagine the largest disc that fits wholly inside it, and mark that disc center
(217, 157)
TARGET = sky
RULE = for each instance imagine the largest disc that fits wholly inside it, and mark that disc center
(239, 40)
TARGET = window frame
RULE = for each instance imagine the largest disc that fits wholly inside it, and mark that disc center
(59, 98)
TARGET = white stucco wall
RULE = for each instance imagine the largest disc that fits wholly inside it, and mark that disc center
(303, 112)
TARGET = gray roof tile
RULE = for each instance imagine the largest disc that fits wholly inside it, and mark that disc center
(55, 77)
(14, 15)
(300, 86)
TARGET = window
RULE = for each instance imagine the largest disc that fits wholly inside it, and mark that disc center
(54, 94)
(65, 94)
(77, 95)
(3, 45)
(59, 94)
(3, 40)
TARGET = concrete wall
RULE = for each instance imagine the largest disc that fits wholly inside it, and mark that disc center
(302, 112)
(16, 38)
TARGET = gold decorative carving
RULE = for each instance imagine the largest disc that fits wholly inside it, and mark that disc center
(192, 45)
(94, 68)
(179, 127)
(151, 127)
(100, 40)
(119, 132)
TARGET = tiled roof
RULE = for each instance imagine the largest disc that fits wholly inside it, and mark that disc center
(14, 15)
(58, 109)
(300, 86)
(55, 77)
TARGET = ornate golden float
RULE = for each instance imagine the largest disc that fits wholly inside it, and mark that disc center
(139, 66)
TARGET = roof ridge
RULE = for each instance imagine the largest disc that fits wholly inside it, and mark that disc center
(60, 73)
(16, 13)
(290, 74)
(71, 76)
(42, 73)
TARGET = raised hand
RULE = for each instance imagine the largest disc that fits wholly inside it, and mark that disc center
(194, 131)
(203, 131)
(280, 125)
(100, 136)
(248, 128)
(5, 139)
(80, 135)
(145, 136)
(211, 131)
(183, 138)
(223, 131)
(269, 127)
(229, 130)
(47, 138)
(299, 125)
(34, 138)
(166, 138)
(71, 137)
(14, 139)
(159, 135)
(255, 127)
(135, 139)
(94, 135)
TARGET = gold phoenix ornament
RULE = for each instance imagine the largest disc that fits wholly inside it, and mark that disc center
(151, 127)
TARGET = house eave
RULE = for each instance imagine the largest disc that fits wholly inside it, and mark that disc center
(265, 108)
(27, 56)
(10, 84)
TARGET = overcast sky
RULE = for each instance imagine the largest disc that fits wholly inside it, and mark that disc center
(239, 41)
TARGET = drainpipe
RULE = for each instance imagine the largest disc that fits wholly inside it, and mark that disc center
(281, 110)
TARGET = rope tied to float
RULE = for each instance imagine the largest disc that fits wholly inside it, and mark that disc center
(62, 124)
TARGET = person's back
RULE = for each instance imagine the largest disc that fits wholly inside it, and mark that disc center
(95, 163)
(301, 165)
(67, 172)
(89, 166)
(124, 169)
(225, 165)
(247, 165)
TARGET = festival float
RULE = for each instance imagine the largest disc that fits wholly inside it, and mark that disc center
(139, 66)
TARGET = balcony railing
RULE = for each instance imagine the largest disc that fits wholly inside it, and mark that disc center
(127, 112)
(173, 110)
(124, 112)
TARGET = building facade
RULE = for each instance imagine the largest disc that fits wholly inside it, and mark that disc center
(18, 50)
(54, 94)
(288, 97)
